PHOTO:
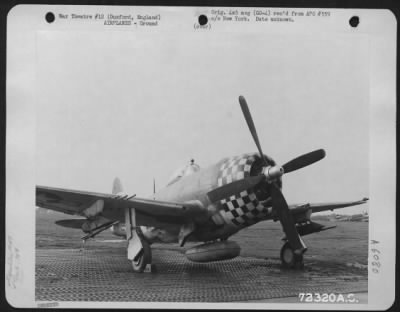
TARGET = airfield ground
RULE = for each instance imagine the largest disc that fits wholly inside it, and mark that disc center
(336, 262)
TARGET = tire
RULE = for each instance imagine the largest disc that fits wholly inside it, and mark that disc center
(144, 258)
(289, 259)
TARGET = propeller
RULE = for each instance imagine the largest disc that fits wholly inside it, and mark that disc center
(279, 203)
(303, 160)
(235, 187)
(250, 124)
(285, 217)
(270, 174)
(296, 163)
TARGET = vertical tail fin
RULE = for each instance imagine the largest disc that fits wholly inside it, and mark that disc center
(117, 186)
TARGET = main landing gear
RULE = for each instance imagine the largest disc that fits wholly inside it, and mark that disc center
(139, 251)
(289, 259)
(142, 259)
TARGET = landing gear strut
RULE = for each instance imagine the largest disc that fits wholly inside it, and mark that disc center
(139, 251)
(289, 259)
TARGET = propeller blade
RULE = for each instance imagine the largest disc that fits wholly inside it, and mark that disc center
(303, 160)
(285, 217)
(71, 223)
(234, 187)
(250, 124)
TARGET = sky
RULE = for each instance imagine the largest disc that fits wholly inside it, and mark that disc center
(140, 105)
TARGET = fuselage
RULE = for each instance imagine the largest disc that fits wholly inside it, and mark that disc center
(224, 217)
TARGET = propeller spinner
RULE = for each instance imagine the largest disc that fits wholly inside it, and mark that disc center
(271, 174)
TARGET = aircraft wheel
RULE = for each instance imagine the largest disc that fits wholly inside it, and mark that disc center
(143, 259)
(289, 259)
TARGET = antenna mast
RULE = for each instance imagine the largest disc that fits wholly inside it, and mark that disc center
(154, 188)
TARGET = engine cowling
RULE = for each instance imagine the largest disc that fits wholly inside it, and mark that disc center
(216, 251)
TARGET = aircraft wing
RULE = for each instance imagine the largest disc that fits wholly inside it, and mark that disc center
(318, 207)
(76, 202)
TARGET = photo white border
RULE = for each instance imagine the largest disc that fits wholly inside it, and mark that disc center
(23, 23)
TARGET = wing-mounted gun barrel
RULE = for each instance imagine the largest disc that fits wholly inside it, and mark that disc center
(98, 230)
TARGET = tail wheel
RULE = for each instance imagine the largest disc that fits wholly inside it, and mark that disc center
(289, 259)
(143, 259)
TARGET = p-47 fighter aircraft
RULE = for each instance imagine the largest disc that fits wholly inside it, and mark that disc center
(200, 205)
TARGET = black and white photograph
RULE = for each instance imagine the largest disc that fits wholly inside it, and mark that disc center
(204, 157)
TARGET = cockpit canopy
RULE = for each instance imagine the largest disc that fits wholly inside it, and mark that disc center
(184, 171)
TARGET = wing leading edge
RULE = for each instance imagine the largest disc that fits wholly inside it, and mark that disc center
(318, 207)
